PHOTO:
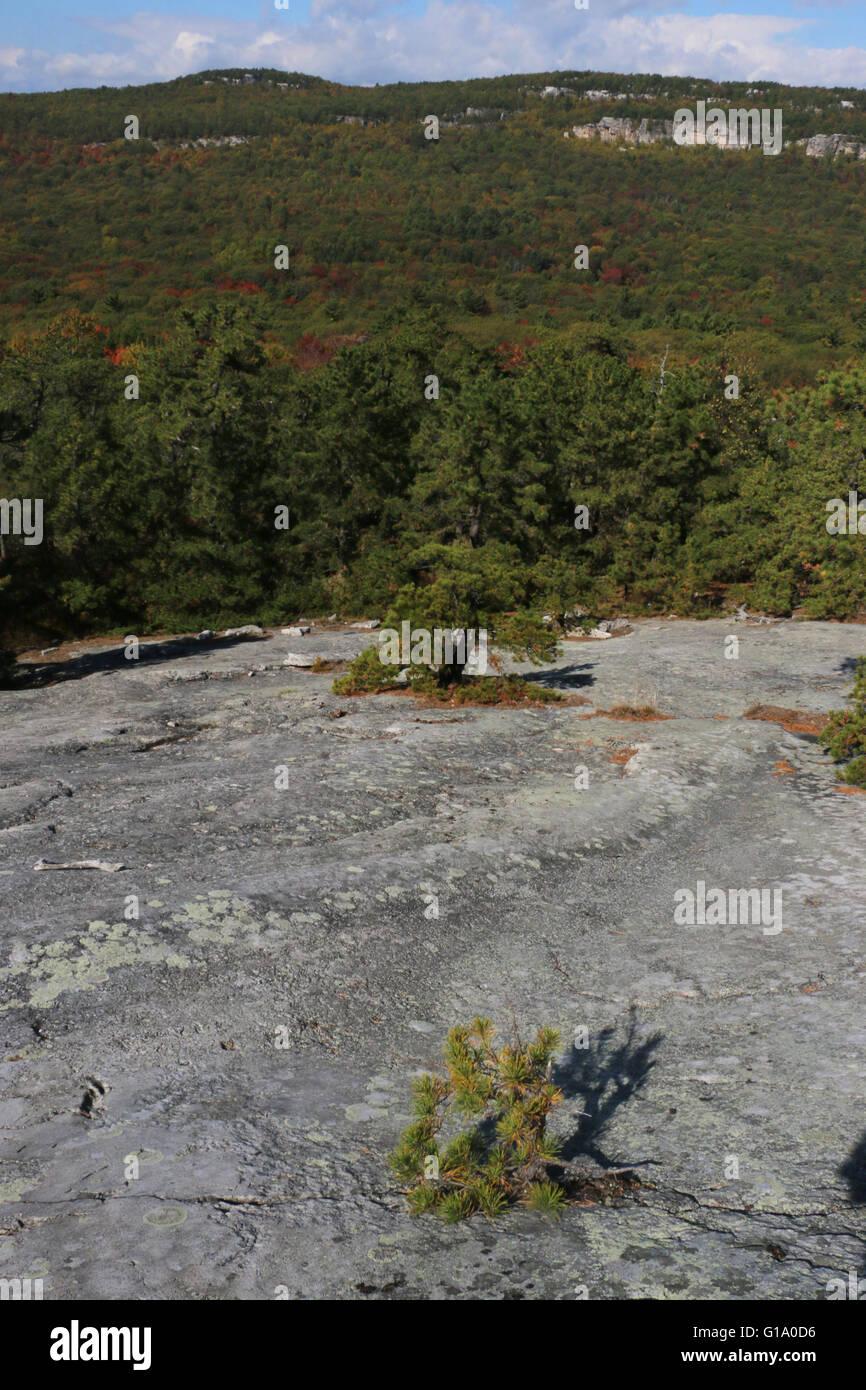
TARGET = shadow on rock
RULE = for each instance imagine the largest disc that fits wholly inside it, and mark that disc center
(35, 673)
(853, 1170)
(564, 677)
(603, 1076)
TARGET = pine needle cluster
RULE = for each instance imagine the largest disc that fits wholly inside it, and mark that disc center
(507, 1095)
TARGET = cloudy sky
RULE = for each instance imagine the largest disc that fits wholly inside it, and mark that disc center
(51, 44)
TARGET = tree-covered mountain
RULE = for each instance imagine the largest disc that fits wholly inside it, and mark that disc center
(765, 253)
(321, 361)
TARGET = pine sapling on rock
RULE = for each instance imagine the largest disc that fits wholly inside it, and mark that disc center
(504, 1157)
(844, 734)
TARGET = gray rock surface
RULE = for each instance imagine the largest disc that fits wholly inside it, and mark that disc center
(824, 146)
(197, 1102)
(631, 131)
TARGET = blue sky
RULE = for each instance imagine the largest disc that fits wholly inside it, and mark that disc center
(51, 44)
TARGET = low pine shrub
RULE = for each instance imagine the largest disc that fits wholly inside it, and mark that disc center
(490, 690)
(507, 1094)
(367, 674)
(844, 734)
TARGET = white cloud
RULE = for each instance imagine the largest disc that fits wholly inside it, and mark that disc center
(189, 46)
(366, 41)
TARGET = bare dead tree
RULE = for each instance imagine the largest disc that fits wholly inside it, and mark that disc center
(662, 372)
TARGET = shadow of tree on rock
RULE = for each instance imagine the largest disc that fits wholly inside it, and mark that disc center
(603, 1076)
(564, 677)
(31, 674)
(853, 1170)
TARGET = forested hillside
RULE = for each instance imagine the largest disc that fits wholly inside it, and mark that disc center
(169, 380)
(480, 224)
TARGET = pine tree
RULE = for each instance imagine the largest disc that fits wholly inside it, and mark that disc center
(508, 1094)
(844, 735)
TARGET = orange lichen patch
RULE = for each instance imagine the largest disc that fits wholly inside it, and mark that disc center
(851, 791)
(621, 755)
(795, 721)
(721, 716)
(783, 768)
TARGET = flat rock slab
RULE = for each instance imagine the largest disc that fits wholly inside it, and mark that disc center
(308, 903)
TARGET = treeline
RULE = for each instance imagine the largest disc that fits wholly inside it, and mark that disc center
(418, 473)
(197, 104)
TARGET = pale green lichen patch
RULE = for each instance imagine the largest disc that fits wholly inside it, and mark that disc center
(165, 1216)
(84, 961)
(225, 918)
(13, 1191)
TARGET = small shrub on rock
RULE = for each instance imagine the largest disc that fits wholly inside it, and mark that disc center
(507, 1093)
(844, 734)
(367, 674)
